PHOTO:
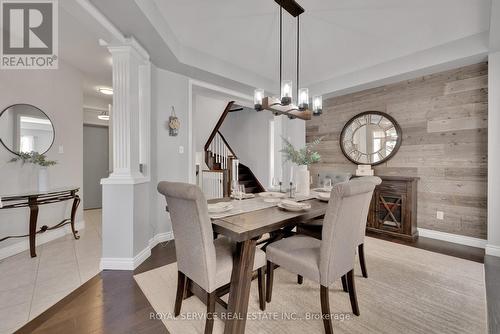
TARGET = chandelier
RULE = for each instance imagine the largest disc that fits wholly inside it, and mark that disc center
(284, 104)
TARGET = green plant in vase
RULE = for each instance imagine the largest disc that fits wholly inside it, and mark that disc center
(34, 158)
(303, 158)
(37, 159)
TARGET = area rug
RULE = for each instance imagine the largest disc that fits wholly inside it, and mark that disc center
(408, 290)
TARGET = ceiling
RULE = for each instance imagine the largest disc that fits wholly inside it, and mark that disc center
(338, 36)
(344, 43)
(79, 47)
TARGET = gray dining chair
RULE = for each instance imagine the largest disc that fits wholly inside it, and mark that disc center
(314, 227)
(200, 258)
(325, 261)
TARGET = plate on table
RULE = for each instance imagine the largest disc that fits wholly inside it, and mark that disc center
(220, 207)
(290, 205)
(322, 190)
(322, 196)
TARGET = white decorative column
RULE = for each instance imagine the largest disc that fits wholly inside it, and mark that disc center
(493, 246)
(125, 215)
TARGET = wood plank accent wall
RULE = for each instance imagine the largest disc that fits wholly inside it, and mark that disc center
(444, 118)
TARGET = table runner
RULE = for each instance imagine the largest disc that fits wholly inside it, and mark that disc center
(253, 204)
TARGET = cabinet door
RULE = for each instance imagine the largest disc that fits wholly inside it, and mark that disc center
(372, 213)
(390, 211)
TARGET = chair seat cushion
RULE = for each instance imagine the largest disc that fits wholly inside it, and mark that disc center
(297, 254)
(224, 251)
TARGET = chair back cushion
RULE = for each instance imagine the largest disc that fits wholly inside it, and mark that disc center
(366, 206)
(341, 228)
(194, 243)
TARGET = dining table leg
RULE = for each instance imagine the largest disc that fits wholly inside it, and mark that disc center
(239, 291)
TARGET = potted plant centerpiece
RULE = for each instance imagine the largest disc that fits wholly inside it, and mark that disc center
(40, 160)
(302, 158)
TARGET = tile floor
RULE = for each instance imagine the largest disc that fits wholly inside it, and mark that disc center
(29, 286)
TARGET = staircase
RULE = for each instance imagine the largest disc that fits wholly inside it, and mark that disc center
(219, 157)
(248, 179)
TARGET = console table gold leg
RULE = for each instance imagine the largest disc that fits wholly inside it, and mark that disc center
(76, 202)
(33, 220)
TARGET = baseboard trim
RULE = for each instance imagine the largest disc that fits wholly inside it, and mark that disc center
(161, 237)
(454, 238)
(133, 262)
(493, 250)
(41, 239)
(117, 263)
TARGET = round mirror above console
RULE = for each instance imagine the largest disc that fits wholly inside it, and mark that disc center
(370, 138)
(25, 128)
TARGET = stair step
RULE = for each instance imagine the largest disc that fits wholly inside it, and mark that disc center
(251, 190)
(248, 182)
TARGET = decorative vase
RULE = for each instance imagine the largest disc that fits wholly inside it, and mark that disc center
(302, 180)
(43, 179)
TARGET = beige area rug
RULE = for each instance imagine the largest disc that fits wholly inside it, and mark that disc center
(409, 290)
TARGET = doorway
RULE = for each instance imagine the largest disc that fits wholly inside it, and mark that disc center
(95, 163)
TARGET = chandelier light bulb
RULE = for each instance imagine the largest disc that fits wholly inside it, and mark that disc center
(258, 95)
(303, 99)
(317, 105)
(286, 92)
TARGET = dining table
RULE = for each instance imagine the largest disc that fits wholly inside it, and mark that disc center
(245, 226)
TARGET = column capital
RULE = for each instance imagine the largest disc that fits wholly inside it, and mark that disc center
(131, 47)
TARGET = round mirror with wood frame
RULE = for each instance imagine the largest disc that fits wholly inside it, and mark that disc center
(370, 138)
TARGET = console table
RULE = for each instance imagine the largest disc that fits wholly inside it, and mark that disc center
(33, 200)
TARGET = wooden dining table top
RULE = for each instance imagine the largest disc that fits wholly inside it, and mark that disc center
(250, 225)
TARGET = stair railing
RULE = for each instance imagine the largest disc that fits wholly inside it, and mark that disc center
(219, 158)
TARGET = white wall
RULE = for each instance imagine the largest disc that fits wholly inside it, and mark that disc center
(167, 164)
(59, 94)
(206, 113)
(493, 247)
(247, 132)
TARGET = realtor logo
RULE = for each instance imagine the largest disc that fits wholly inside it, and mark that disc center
(29, 34)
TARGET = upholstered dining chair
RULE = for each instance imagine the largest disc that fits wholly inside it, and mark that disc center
(314, 227)
(200, 258)
(325, 261)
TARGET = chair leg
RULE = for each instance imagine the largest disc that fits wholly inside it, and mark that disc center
(269, 281)
(262, 289)
(188, 289)
(361, 252)
(209, 324)
(181, 288)
(325, 310)
(352, 292)
(300, 279)
(344, 283)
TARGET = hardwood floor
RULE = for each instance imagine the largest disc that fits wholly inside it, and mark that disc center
(112, 302)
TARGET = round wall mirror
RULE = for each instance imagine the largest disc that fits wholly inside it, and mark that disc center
(370, 138)
(25, 128)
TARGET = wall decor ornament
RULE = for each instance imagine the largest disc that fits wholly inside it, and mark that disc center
(174, 123)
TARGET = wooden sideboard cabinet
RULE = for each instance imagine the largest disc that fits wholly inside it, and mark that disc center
(393, 210)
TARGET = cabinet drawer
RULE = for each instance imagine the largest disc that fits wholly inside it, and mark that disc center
(392, 187)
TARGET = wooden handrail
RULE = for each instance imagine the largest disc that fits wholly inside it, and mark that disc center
(227, 144)
(218, 125)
